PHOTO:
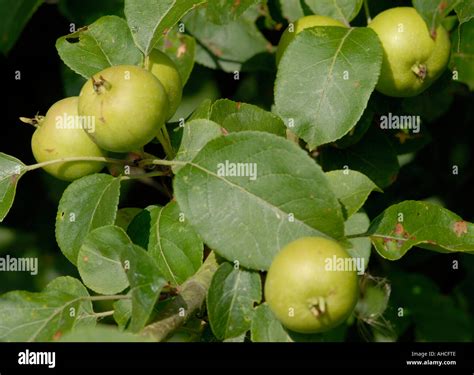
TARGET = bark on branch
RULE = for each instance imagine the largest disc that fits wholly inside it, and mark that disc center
(190, 299)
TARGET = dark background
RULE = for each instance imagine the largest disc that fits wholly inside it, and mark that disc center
(28, 230)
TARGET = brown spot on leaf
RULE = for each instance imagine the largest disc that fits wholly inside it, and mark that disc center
(235, 5)
(442, 6)
(238, 105)
(392, 245)
(50, 150)
(181, 50)
(57, 335)
(460, 228)
(85, 259)
(215, 50)
(14, 178)
(224, 131)
(168, 43)
(399, 230)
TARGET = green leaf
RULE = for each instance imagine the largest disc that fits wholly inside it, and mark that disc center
(442, 320)
(361, 247)
(436, 316)
(14, 15)
(140, 227)
(175, 246)
(109, 262)
(342, 10)
(100, 260)
(85, 12)
(373, 156)
(203, 111)
(196, 134)
(181, 48)
(226, 47)
(465, 10)
(11, 170)
(224, 11)
(230, 300)
(63, 305)
(324, 81)
(358, 131)
(247, 218)
(422, 224)
(235, 117)
(149, 20)
(125, 216)
(462, 53)
(291, 9)
(267, 328)
(201, 86)
(101, 333)
(86, 204)
(122, 312)
(434, 11)
(107, 42)
(72, 82)
(146, 284)
(352, 188)
(449, 23)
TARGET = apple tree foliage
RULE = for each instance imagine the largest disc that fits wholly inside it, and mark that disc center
(318, 155)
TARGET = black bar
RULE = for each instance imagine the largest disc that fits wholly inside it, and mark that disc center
(83, 356)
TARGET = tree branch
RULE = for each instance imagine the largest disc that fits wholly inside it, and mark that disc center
(190, 299)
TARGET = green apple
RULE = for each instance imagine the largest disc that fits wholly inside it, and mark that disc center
(304, 293)
(166, 71)
(61, 134)
(412, 58)
(129, 105)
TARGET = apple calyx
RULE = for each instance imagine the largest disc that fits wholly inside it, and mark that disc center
(420, 71)
(317, 306)
(35, 121)
(101, 85)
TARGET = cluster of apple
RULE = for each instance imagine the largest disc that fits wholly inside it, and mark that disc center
(123, 108)
(119, 109)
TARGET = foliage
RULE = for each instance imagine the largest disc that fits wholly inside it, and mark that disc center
(244, 179)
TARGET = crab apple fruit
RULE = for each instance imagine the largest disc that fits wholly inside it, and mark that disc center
(412, 58)
(163, 68)
(60, 134)
(304, 293)
(129, 105)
